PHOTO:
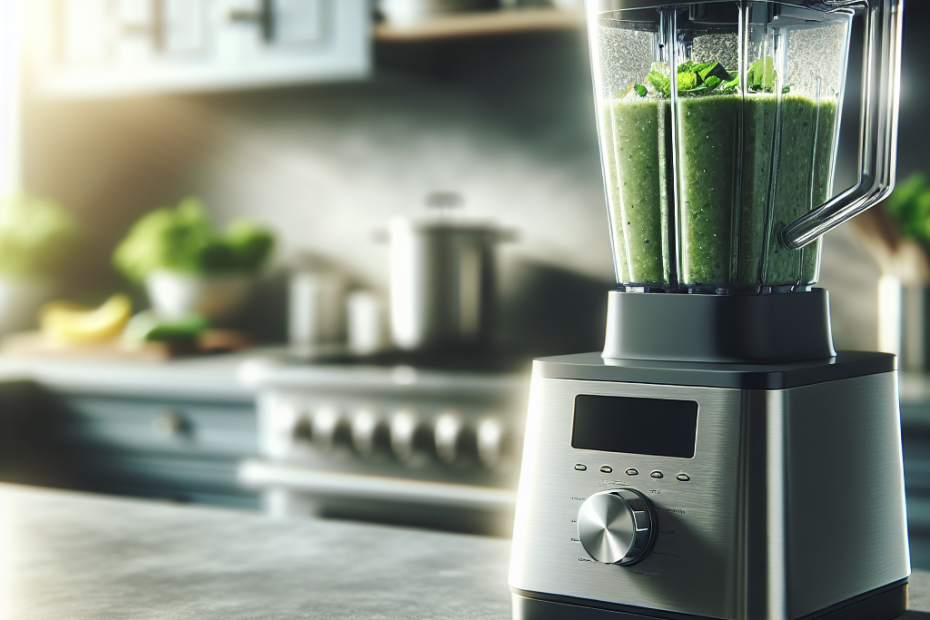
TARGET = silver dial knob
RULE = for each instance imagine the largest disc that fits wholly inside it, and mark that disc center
(617, 526)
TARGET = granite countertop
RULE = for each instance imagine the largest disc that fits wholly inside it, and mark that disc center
(82, 557)
(73, 556)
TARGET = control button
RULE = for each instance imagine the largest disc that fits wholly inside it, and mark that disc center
(411, 439)
(329, 427)
(581, 467)
(656, 474)
(369, 432)
(288, 429)
(450, 436)
(607, 469)
(617, 526)
(303, 430)
(632, 472)
(683, 477)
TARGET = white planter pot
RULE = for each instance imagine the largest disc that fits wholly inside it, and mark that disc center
(20, 300)
(176, 295)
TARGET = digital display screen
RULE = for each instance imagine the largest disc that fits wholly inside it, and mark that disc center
(635, 425)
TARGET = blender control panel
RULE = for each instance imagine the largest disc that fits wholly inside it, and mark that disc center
(629, 426)
(629, 493)
(656, 487)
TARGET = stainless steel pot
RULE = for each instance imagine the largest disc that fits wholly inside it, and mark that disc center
(442, 283)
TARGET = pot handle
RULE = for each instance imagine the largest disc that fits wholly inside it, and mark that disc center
(878, 129)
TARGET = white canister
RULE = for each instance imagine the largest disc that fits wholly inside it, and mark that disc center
(364, 325)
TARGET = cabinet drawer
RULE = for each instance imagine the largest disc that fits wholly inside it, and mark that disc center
(170, 477)
(205, 429)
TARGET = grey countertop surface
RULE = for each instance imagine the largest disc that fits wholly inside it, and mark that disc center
(75, 556)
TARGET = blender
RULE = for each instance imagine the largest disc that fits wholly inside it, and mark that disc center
(719, 459)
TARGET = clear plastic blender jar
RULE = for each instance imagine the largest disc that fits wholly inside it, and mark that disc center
(719, 125)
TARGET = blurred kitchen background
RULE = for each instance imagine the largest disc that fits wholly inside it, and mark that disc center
(350, 144)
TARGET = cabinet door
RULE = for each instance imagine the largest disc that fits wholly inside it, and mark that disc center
(84, 37)
(101, 48)
(282, 40)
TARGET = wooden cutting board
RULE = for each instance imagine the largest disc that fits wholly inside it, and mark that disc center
(36, 343)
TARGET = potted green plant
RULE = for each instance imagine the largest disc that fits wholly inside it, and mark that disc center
(898, 237)
(188, 266)
(36, 236)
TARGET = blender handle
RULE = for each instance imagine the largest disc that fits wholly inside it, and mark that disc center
(878, 129)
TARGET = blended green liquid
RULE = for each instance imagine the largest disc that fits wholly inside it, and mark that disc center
(641, 135)
(730, 189)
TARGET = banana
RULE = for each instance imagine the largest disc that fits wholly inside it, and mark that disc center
(70, 323)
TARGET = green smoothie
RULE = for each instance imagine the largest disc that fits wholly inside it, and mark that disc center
(641, 162)
(613, 193)
(743, 168)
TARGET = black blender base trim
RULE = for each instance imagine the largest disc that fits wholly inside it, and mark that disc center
(720, 329)
(592, 367)
(885, 603)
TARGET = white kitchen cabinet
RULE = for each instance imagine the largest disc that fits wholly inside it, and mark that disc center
(106, 48)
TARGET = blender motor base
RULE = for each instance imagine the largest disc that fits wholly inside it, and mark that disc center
(884, 604)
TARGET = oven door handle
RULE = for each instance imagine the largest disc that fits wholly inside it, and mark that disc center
(263, 474)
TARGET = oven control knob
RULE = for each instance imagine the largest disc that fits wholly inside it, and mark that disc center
(617, 526)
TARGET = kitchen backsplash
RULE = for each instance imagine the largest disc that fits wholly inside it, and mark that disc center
(508, 123)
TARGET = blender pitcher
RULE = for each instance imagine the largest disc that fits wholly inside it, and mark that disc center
(719, 124)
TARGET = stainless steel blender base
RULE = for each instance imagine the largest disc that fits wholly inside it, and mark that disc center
(883, 604)
(783, 498)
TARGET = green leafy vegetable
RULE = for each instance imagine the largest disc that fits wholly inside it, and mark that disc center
(706, 77)
(712, 70)
(659, 78)
(250, 244)
(184, 240)
(909, 205)
(712, 82)
(149, 327)
(692, 78)
(761, 75)
(36, 235)
(688, 81)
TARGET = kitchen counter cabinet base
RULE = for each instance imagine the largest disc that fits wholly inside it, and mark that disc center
(171, 431)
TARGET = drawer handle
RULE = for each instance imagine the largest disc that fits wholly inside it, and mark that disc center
(262, 17)
(171, 424)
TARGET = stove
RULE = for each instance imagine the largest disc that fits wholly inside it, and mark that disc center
(395, 438)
